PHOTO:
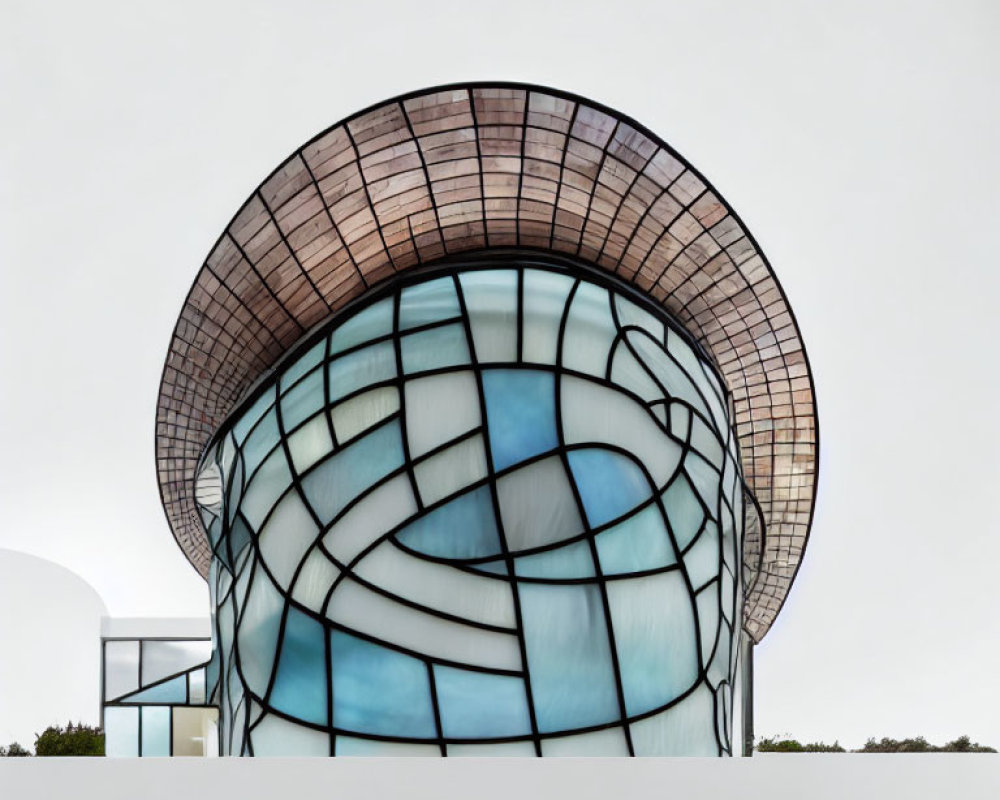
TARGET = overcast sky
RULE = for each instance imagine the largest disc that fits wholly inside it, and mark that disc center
(858, 141)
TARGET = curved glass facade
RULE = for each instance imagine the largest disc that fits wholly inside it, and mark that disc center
(495, 509)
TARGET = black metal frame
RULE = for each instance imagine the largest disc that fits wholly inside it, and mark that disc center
(250, 558)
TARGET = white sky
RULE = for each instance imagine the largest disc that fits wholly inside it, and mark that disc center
(858, 141)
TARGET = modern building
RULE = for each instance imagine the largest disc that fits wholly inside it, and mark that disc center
(492, 431)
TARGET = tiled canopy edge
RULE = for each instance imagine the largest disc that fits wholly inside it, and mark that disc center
(467, 167)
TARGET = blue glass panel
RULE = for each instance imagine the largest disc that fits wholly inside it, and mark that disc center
(303, 401)
(156, 731)
(480, 705)
(239, 537)
(370, 323)
(572, 680)
(639, 543)
(428, 302)
(172, 691)
(300, 683)
(362, 368)
(683, 510)
(261, 442)
(520, 411)
(609, 483)
(344, 475)
(435, 348)
(303, 364)
(378, 690)
(569, 561)
(463, 528)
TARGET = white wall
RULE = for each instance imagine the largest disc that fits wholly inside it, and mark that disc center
(50, 635)
(779, 777)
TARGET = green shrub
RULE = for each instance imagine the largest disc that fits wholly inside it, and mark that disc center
(73, 740)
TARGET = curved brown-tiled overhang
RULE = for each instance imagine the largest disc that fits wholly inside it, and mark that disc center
(465, 167)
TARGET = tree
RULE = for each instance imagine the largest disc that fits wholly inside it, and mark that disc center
(14, 751)
(73, 740)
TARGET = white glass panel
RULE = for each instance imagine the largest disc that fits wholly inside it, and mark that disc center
(500, 749)
(706, 442)
(702, 560)
(676, 381)
(362, 368)
(631, 314)
(121, 668)
(362, 411)
(628, 373)
(655, 637)
(595, 414)
(704, 479)
(160, 659)
(286, 537)
(121, 732)
(196, 687)
(276, 736)
(590, 330)
(439, 408)
(438, 586)
(350, 746)
(208, 488)
(693, 366)
(310, 443)
(607, 742)
(267, 485)
(537, 505)
(544, 300)
(195, 731)
(372, 517)
(683, 511)
(444, 474)
(258, 635)
(680, 420)
(155, 731)
(314, 581)
(687, 729)
(707, 602)
(367, 612)
(491, 302)
(427, 302)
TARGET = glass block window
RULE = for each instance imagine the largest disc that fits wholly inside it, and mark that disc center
(494, 509)
(155, 697)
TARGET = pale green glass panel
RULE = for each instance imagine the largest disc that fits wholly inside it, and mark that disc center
(367, 612)
(655, 636)
(363, 411)
(704, 478)
(592, 413)
(590, 331)
(671, 376)
(705, 441)
(445, 473)
(361, 368)
(301, 365)
(537, 505)
(680, 421)
(702, 560)
(155, 731)
(310, 443)
(608, 742)
(268, 484)
(545, 296)
(314, 580)
(369, 323)
(439, 587)
(372, 517)
(707, 603)
(121, 732)
(427, 302)
(628, 373)
(161, 659)
(302, 401)
(638, 543)
(567, 562)
(683, 511)
(493, 750)
(121, 668)
(630, 313)
(351, 746)
(258, 634)
(687, 729)
(289, 533)
(275, 736)
(435, 348)
(491, 302)
(440, 408)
